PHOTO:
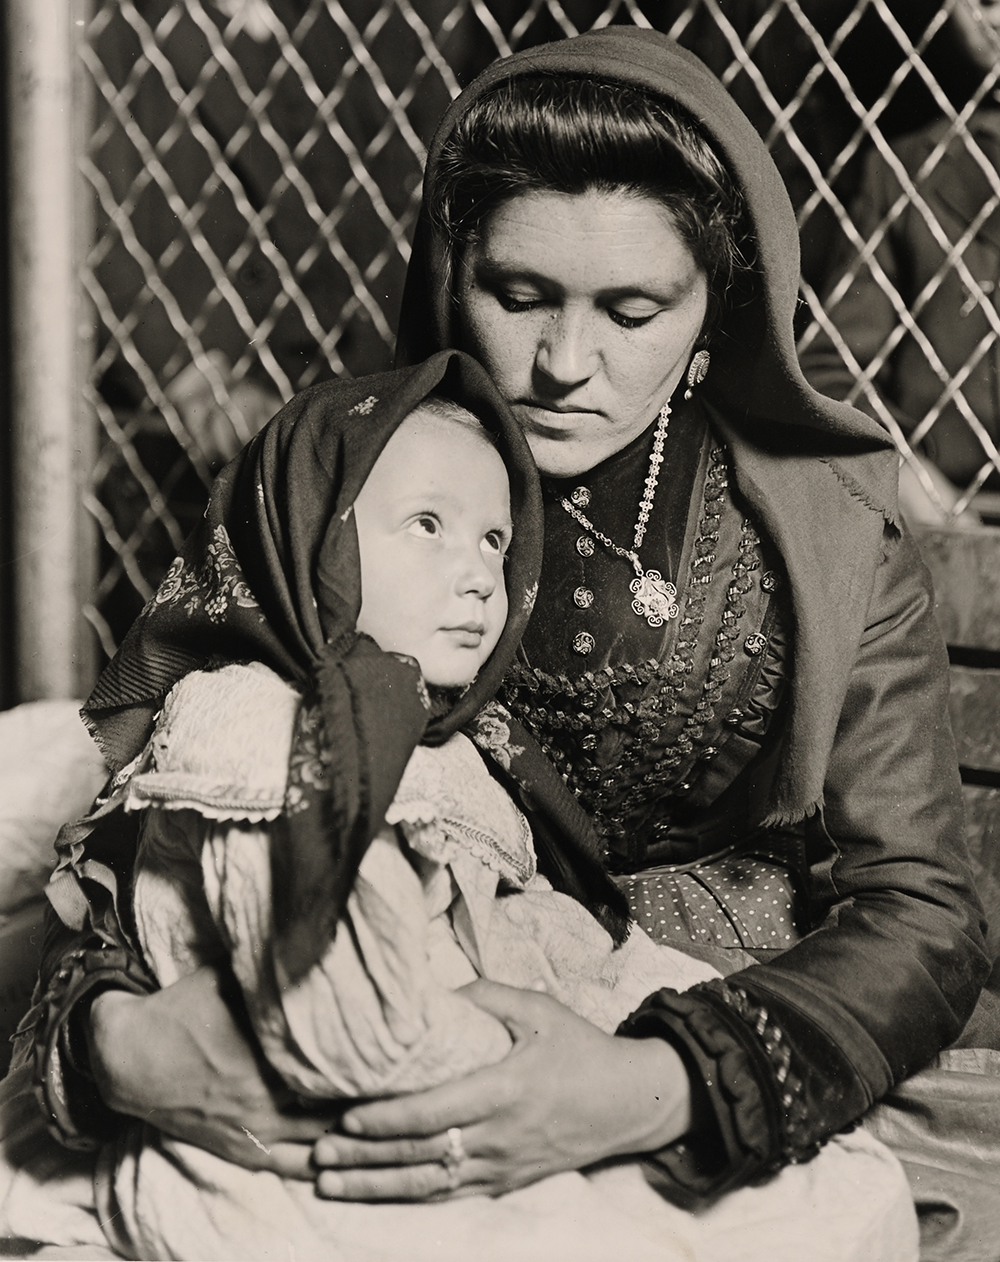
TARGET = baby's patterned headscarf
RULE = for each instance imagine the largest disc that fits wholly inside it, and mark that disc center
(272, 575)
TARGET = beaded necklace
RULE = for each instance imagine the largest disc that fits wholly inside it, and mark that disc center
(654, 598)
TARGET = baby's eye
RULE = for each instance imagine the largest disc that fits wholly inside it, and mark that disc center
(495, 542)
(426, 525)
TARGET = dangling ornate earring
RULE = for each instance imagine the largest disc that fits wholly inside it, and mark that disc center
(697, 371)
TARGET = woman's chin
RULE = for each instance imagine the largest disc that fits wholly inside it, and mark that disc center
(568, 455)
(563, 457)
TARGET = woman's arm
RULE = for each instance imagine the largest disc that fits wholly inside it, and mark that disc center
(894, 965)
(106, 1041)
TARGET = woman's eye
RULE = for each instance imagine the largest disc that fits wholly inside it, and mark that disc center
(427, 526)
(630, 321)
(517, 302)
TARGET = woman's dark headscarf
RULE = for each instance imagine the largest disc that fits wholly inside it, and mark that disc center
(272, 575)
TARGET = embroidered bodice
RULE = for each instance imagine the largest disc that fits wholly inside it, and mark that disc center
(654, 728)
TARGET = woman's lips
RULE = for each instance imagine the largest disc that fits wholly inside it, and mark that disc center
(555, 409)
(543, 416)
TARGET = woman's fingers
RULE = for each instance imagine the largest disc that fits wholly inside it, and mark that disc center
(303, 1128)
(290, 1161)
(523, 1012)
(428, 1113)
(565, 1096)
(389, 1170)
(399, 1183)
(344, 1150)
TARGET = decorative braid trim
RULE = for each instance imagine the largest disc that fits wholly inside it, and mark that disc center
(492, 853)
(796, 1146)
(724, 649)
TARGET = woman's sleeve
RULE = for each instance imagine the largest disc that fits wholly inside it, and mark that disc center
(792, 1051)
(85, 951)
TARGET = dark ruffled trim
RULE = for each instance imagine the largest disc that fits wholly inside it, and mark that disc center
(756, 1116)
(769, 687)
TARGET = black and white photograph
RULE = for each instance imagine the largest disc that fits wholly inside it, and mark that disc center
(500, 630)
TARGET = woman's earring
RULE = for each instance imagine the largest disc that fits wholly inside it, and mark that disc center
(697, 371)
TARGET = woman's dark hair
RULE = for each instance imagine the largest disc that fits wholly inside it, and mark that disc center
(570, 134)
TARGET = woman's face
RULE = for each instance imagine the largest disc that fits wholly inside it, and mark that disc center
(585, 309)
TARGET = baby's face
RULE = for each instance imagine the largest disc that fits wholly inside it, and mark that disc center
(433, 524)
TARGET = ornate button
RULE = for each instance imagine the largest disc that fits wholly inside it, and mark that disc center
(769, 581)
(580, 497)
(589, 741)
(583, 598)
(583, 643)
(709, 751)
(755, 644)
(585, 546)
(733, 717)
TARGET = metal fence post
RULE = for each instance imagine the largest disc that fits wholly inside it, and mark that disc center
(52, 542)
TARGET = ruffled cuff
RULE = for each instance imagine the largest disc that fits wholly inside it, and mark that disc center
(751, 1110)
(73, 1109)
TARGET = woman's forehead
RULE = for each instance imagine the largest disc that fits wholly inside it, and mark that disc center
(598, 240)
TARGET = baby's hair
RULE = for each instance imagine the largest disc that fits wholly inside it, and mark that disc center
(448, 410)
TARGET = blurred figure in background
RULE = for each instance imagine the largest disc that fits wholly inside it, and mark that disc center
(947, 367)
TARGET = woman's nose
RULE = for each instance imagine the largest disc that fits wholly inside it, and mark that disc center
(565, 351)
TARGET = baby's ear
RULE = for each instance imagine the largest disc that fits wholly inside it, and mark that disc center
(338, 576)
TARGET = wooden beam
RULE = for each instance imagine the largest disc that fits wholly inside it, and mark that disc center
(52, 545)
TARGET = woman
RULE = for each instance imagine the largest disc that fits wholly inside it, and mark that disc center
(733, 661)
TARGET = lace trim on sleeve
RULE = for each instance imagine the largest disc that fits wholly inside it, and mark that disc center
(482, 820)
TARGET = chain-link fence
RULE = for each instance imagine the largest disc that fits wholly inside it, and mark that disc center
(256, 167)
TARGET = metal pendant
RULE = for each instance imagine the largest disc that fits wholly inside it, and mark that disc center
(655, 599)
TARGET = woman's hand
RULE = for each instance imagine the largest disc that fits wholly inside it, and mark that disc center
(177, 1058)
(567, 1095)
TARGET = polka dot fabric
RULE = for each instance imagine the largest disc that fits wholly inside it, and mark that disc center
(736, 901)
